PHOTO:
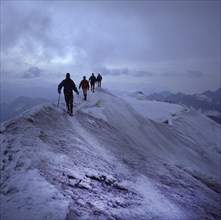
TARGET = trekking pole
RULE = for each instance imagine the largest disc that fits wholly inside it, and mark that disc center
(58, 99)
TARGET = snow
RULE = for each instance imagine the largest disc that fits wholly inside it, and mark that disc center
(34, 191)
(120, 156)
(203, 98)
(157, 111)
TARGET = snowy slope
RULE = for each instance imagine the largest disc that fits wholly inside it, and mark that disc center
(115, 159)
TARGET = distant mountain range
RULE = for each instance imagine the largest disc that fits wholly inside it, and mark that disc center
(206, 102)
(18, 106)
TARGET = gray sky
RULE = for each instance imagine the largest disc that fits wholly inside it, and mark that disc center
(133, 44)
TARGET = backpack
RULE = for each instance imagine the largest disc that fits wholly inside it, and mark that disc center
(84, 84)
(99, 78)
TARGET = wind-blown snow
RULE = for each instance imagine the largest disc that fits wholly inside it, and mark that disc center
(118, 157)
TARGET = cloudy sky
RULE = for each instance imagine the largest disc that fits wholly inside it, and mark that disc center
(133, 44)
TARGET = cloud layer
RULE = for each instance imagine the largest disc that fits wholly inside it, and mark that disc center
(149, 39)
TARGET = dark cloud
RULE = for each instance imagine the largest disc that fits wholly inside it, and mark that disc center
(188, 74)
(143, 73)
(32, 72)
(113, 72)
(124, 71)
(136, 38)
(112, 32)
(195, 74)
(30, 31)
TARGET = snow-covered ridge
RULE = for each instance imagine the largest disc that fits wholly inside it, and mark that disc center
(118, 157)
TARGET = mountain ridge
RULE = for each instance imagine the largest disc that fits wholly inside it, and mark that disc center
(111, 160)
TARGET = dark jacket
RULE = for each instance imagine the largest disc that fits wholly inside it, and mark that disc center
(99, 78)
(68, 85)
(92, 79)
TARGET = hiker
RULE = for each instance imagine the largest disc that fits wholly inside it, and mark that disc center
(99, 78)
(92, 80)
(85, 86)
(69, 86)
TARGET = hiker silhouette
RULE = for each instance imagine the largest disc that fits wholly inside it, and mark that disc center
(92, 80)
(84, 84)
(99, 79)
(69, 86)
